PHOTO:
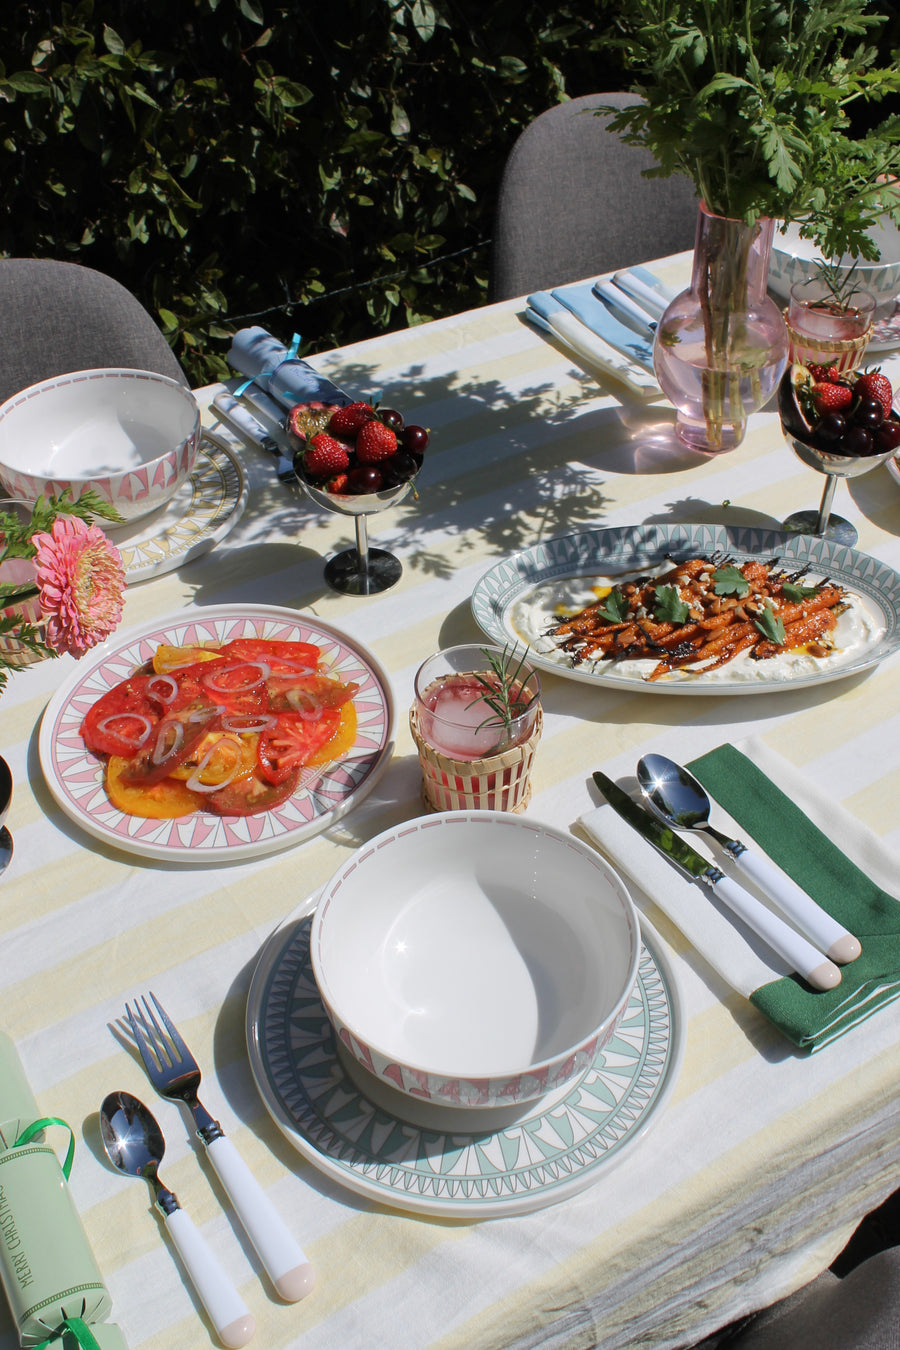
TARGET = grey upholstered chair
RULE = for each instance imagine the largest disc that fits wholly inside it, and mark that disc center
(573, 203)
(60, 316)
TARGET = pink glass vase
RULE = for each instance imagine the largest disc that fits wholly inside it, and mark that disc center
(722, 345)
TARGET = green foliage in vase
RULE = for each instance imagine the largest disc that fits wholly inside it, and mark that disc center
(752, 100)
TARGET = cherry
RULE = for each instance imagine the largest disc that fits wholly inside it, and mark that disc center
(365, 478)
(414, 439)
(391, 418)
(869, 413)
(887, 437)
(399, 468)
(858, 441)
(832, 426)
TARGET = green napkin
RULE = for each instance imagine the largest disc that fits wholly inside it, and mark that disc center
(811, 1019)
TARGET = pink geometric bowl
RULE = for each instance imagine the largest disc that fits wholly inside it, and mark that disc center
(131, 435)
(475, 958)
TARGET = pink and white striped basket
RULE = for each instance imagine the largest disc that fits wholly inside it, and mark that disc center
(844, 353)
(499, 783)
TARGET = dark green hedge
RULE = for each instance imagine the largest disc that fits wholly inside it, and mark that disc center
(327, 166)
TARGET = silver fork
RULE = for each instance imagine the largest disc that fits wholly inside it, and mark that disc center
(175, 1074)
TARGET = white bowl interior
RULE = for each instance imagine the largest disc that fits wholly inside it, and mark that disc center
(92, 424)
(475, 944)
(794, 259)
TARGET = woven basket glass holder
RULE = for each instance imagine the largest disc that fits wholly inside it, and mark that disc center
(498, 783)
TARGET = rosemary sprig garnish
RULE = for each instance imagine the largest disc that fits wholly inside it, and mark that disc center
(840, 282)
(502, 690)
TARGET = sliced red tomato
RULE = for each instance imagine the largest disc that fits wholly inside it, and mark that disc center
(236, 684)
(308, 694)
(122, 719)
(172, 741)
(283, 658)
(291, 743)
(248, 795)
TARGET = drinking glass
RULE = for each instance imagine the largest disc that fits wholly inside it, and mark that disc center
(454, 715)
(825, 331)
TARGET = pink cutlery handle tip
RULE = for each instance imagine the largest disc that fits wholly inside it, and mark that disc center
(845, 950)
(825, 976)
(238, 1333)
(297, 1283)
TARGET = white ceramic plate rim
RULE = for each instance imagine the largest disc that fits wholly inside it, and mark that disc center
(378, 1181)
(74, 775)
(180, 534)
(592, 552)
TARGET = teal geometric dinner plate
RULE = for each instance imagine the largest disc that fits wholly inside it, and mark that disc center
(633, 548)
(443, 1160)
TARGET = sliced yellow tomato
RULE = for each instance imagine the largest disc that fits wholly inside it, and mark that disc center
(341, 741)
(229, 757)
(162, 801)
(167, 658)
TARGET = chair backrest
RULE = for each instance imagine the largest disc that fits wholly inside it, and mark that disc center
(573, 203)
(59, 316)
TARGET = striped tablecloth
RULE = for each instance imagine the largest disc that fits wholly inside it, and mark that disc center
(762, 1161)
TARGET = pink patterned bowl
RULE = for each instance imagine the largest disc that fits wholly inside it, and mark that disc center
(475, 958)
(131, 435)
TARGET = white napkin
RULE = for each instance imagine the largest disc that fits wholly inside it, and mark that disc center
(733, 951)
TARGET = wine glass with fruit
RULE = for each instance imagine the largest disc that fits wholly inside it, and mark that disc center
(841, 425)
(356, 459)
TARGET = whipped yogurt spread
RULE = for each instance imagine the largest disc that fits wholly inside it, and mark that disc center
(545, 605)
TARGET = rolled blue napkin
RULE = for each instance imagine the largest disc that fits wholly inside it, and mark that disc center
(278, 371)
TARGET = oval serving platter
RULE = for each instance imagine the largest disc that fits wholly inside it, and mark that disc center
(75, 776)
(631, 549)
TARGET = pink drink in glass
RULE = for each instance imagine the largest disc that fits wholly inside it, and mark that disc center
(454, 717)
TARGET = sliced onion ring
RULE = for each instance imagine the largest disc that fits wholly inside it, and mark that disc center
(247, 723)
(263, 667)
(106, 725)
(195, 782)
(166, 694)
(164, 748)
(307, 705)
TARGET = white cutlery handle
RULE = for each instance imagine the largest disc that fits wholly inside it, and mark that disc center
(821, 929)
(244, 422)
(800, 954)
(652, 301)
(281, 1255)
(228, 1312)
(625, 308)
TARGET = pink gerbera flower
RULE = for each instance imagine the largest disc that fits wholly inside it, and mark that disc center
(82, 581)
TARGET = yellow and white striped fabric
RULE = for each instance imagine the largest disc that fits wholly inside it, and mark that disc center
(763, 1161)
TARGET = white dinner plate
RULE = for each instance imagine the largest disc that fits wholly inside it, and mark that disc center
(444, 1160)
(635, 547)
(75, 776)
(209, 503)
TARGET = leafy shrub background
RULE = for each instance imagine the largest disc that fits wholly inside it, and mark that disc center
(327, 166)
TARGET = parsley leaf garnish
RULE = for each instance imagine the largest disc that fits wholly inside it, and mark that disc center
(796, 593)
(730, 581)
(669, 607)
(613, 608)
(770, 626)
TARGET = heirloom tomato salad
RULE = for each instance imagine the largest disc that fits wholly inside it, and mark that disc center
(229, 729)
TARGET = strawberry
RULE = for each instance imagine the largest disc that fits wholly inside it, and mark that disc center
(872, 384)
(831, 374)
(347, 421)
(337, 484)
(830, 397)
(325, 456)
(375, 442)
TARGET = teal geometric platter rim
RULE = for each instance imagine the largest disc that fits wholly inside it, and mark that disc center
(631, 548)
(552, 1149)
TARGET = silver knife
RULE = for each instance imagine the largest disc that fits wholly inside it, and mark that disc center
(800, 954)
(255, 433)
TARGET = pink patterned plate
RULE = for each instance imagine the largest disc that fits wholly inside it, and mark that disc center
(75, 776)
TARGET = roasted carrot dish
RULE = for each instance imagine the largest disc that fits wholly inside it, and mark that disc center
(701, 613)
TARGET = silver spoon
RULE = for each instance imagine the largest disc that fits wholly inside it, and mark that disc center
(676, 797)
(134, 1143)
(6, 842)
